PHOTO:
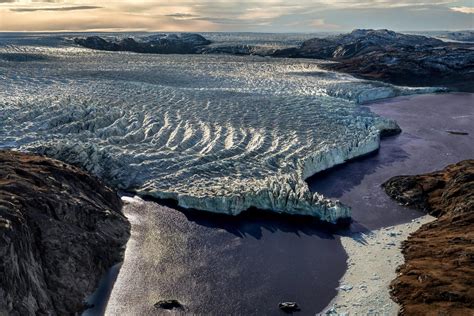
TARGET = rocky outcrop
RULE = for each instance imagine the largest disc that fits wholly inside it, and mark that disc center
(155, 44)
(438, 275)
(60, 230)
(401, 59)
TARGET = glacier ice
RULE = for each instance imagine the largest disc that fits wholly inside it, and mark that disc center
(216, 133)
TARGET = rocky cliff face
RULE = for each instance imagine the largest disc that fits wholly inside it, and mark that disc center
(438, 275)
(60, 229)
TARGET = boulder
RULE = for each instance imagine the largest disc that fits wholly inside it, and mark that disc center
(168, 304)
(289, 307)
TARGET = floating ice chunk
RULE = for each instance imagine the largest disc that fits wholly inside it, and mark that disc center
(345, 287)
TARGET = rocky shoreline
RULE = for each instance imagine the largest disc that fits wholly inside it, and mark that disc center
(60, 230)
(438, 274)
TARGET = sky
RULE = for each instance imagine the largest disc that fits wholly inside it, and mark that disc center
(240, 16)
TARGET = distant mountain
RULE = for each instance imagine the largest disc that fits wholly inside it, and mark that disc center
(361, 42)
(385, 55)
(154, 44)
(397, 58)
(462, 36)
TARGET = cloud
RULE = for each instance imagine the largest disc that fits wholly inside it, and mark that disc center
(467, 10)
(74, 8)
(233, 15)
(321, 24)
(100, 20)
(182, 16)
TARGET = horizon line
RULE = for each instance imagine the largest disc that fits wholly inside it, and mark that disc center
(249, 32)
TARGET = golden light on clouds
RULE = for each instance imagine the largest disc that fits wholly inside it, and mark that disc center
(320, 23)
(83, 16)
(467, 10)
(226, 15)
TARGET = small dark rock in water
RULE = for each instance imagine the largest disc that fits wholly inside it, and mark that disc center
(390, 132)
(289, 307)
(457, 132)
(168, 304)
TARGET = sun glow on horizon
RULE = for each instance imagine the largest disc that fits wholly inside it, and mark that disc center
(220, 15)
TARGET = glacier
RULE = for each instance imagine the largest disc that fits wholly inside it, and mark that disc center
(214, 132)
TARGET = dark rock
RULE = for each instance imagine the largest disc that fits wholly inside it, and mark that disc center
(154, 44)
(60, 230)
(387, 132)
(457, 132)
(289, 307)
(168, 304)
(437, 277)
(97, 42)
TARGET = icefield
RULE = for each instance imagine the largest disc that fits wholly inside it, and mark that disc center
(214, 132)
